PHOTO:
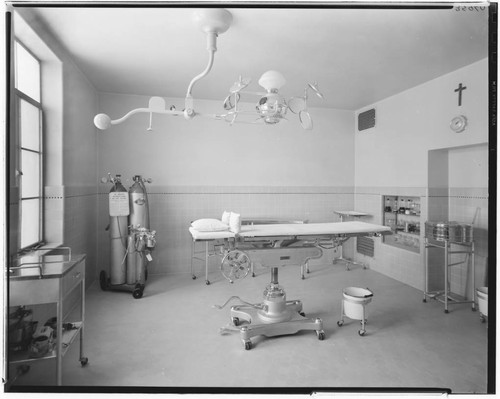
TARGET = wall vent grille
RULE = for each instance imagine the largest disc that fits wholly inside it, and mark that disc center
(366, 119)
(365, 246)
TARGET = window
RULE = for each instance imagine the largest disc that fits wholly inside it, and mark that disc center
(29, 146)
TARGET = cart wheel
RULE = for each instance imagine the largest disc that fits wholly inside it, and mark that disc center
(482, 318)
(424, 300)
(474, 309)
(302, 314)
(137, 293)
(103, 280)
(340, 323)
(207, 282)
(321, 335)
(446, 311)
(84, 361)
(303, 278)
(193, 277)
(248, 345)
(235, 321)
(361, 332)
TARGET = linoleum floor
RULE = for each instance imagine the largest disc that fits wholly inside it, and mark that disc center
(170, 338)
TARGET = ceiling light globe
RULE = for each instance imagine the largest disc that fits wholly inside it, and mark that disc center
(272, 107)
(102, 121)
(272, 80)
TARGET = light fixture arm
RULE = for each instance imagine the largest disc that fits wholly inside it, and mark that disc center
(145, 110)
(212, 22)
(212, 48)
(189, 102)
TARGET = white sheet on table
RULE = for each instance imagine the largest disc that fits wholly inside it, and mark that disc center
(355, 227)
(308, 229)
(210, 235)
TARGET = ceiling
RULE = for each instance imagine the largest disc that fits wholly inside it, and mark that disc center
(357, 56)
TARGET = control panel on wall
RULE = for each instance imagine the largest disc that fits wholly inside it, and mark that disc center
(402, 215)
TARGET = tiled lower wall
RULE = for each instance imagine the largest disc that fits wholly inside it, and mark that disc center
(172, 209)
(400, 264)
(80, 219)
(465, 205)
(470, 205)
(70, 219)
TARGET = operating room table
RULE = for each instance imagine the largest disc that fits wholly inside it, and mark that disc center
(273, 246)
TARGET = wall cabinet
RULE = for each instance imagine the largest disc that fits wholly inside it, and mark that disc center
(402, 215)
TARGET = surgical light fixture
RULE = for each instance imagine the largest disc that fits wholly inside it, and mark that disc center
(271, 107)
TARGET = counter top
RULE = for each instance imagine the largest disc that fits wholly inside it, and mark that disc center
(31, 267)
(351, 213)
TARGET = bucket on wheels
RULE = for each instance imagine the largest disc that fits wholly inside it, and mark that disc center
(353, 305)
(482, 301)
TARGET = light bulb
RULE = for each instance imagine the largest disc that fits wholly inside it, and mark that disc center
(272, 80)
(102, 121)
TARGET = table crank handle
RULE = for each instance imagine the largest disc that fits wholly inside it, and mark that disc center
(237, 297)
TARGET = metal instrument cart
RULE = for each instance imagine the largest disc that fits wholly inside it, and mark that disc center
(353, 215)
(50, 279)
(442, 236)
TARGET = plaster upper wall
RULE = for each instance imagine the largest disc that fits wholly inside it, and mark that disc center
(408, 125)
(70, 103)
(207, 152)
(79, 134)
(468, 167)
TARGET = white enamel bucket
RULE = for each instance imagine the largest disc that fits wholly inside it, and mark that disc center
(482, 300)
(354, 301)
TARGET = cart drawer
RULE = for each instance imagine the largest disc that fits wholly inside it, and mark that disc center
(32, 292)
(73, 278)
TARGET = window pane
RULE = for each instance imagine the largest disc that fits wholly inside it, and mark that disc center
(27, 73)
(30, 222)
(30, 179)
(29, 125)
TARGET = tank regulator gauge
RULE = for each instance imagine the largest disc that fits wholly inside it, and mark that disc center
(458, 123)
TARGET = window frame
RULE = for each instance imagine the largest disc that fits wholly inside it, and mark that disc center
(20, 151)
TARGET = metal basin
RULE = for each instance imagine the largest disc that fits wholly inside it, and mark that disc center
(449, 231)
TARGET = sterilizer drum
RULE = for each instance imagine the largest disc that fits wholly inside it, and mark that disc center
(449, 231)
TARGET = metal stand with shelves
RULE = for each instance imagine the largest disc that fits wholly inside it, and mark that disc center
(454, 234)
(353, 215)
(50, 279)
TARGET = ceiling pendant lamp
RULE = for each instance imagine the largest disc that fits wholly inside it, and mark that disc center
(212, 21)
(270, 109)
(272, 106)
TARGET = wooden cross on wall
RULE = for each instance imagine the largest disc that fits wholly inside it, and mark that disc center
(459, 90)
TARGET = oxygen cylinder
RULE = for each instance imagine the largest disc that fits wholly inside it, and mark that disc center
(139, 206)
(131, 259)
(139, 222)
(136, 258)
(118, 228)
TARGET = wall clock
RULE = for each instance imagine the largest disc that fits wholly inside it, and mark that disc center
(458, 123)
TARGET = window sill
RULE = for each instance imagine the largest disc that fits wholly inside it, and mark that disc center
(41, 251)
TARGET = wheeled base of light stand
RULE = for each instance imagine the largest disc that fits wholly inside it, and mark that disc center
(137, 289)
(274, 316)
